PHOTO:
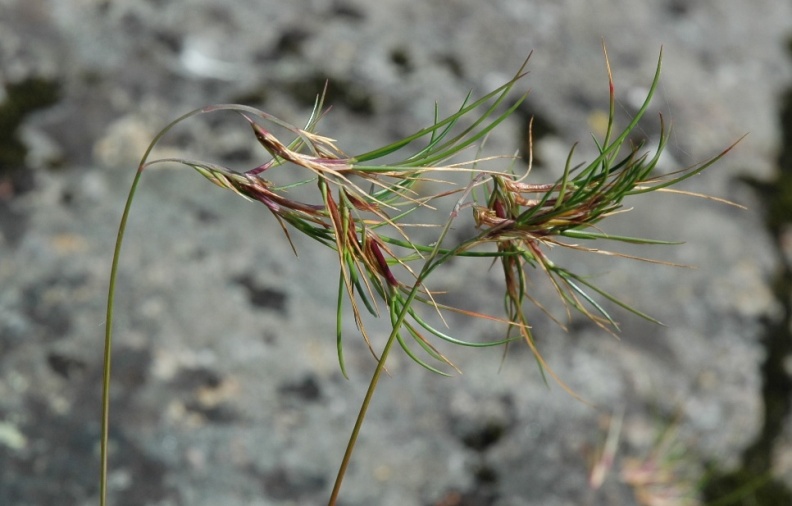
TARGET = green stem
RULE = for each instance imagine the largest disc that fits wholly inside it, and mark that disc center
(364, 407)
(108, 343)
(108, 339)
(430, 263)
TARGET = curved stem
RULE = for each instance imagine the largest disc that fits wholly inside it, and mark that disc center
(108, 339)
(108, 343)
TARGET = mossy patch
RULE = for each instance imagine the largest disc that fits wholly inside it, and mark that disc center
(22, 98)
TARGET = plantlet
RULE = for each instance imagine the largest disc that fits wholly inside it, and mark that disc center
(365, 210)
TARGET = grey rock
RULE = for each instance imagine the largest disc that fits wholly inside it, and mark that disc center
(220, 397)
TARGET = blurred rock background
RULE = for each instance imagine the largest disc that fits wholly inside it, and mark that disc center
(226, 384)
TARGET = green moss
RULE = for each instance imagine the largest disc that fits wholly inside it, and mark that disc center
(22, 98)
(744, 488)
(340, 92)
(780, 191)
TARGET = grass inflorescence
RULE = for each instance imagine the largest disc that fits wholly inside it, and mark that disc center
(363, 208)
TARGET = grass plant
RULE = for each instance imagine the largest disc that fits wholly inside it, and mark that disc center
(364, 207)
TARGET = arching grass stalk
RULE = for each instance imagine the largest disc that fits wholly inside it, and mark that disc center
(364, 209)
(108, 341)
